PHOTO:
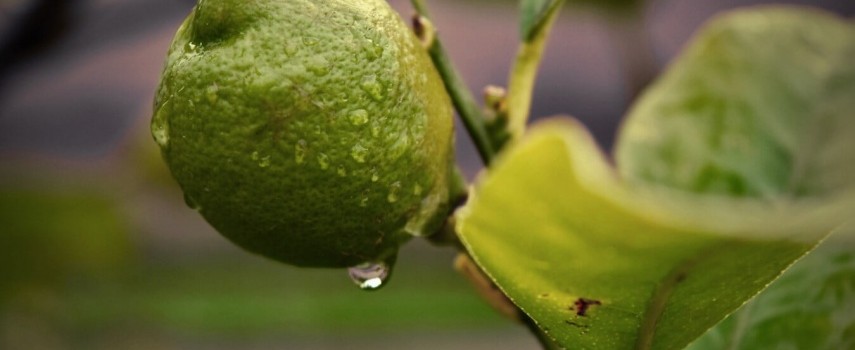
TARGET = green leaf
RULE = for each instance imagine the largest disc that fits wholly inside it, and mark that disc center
(761, 105)
(52, 236)
(552, 225)
(534, 15)
(716, 194)
(809, 307)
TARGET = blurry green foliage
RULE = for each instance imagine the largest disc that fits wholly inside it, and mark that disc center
(52, 237)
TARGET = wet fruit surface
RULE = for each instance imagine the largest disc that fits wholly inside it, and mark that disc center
(314, 134)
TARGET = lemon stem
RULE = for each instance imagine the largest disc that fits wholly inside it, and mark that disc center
(462, 98)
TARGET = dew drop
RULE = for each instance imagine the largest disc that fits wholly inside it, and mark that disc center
(318, 66)
(309, 41)
(371, 51)
(358, 152)
(377, 50)
(393, 192)
(371, 275)
(373, 87)
(358, 117)
(323, 161)
(160, 130)
(290, 49)
(211, 93)
(401, 145)
(300, 151)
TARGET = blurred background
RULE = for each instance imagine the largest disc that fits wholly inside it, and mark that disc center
(98, 251)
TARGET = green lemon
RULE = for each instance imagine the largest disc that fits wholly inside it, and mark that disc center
(316, 133)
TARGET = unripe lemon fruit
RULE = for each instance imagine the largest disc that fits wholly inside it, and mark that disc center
(316, 133)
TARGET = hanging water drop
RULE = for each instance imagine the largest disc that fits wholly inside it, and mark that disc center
(371, 275)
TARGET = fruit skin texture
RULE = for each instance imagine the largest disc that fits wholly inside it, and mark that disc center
(316, 133)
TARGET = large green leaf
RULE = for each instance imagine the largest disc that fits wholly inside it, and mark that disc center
(728, 175)
(552, 225)
(812, 306)
(761, 105)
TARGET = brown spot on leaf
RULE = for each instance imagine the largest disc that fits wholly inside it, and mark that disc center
(581, 305)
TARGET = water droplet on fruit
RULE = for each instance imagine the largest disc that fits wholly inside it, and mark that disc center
(290, 49)
(309, 41)
(378, 49)
(319, 66)
(371, 275)
(373, 87)
(160, 130)
(343, 97)
(393, 192)
(211, 93)
(401, 145)
(358, 117)
(323, 161)
(370, 50)
(300, 151)
(358, 152)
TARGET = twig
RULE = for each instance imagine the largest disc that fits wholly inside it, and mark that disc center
(464, 102)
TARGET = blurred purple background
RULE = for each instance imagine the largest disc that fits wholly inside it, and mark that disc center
(77, 79)
(83, 73)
